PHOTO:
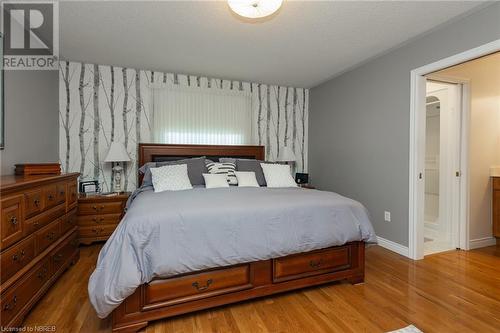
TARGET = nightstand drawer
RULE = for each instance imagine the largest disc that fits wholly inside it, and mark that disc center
(94, 220)
(114, 207)
(96, 231)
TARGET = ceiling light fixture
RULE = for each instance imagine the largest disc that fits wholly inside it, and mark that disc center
(254, 8)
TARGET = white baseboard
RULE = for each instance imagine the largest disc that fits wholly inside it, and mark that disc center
(482, 242)
(393, 246)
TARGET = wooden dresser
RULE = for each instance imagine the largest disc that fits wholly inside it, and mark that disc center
(38, 239)
(496, 208)
(98, 216)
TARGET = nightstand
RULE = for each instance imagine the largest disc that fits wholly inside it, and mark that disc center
(307, 186)
(98, 215)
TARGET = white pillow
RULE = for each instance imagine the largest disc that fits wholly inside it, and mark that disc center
(246, 179)
(278, 175)
(170, 178)
(215, 180)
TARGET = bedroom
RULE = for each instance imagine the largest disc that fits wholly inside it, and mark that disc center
(157, 100)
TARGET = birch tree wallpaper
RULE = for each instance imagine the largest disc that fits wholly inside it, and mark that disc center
(100, 104)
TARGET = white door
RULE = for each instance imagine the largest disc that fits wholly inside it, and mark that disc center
(441, 129)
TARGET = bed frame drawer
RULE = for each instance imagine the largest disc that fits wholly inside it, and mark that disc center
(195, 286)
(312, 263)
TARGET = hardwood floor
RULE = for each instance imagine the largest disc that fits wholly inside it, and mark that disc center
(455, 291)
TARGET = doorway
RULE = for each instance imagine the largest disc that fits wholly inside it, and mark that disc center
(442, 161)
(417, 156)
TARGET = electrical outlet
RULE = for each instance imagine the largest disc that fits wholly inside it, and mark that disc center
(387, 216)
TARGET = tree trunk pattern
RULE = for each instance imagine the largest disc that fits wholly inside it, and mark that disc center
(231, 85)
(198, 83)
(189, 80)
(66, 122)
(278, 122)
(125, 123)
(96, 122)
(259, 115)
(303, 127)
(164, 77)
(81, 129)
(209, 82)
(152, 76)
(286, 118)
(112, 112)
(138, 106)
(240, 86)
(176, 79)
(294, 119)
(268, 123)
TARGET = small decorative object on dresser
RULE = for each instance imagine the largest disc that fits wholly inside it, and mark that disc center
(98, 215)
(28, 169)
(38, 239)
(117, 153)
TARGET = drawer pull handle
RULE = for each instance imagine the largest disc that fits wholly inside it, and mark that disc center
(202, 288)
(11, 305)
(41, 275)
(15, 257)
(58, 257)
(51, 197)
(98, 208)
(37, 202)
(61, 193)
(98, 220)
(13, 220)
(316, 264)
(51, 235)
(98, 230)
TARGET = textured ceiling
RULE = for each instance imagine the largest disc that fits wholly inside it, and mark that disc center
(304, 44)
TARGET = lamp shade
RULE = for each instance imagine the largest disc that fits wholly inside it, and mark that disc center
(286, 155)
(117, 153)
(254, 8)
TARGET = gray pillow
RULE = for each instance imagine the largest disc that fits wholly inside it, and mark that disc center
(196, 168)
(252, 165)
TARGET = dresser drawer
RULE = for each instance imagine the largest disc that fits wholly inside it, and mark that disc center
(96, 231)
(60, 193)
(39, 221)
(68, 221)
(195, 286)
(50, 196)
(33, 202)
(47, 236)
(113, 207)
(13, 300)
(12, 220)
(63, 253)
(313, 263)
(95, 220)
(17, 257)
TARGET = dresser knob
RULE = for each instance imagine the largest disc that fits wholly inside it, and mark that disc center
(37, 202)
(15, 257)
(13, 220)
(58, 257)
(11, 305)
(202, 288)
(51, 197)
(316, 264)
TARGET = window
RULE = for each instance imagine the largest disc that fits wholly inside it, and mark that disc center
(201, 116)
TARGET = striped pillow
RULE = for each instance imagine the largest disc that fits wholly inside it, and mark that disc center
(224, 168)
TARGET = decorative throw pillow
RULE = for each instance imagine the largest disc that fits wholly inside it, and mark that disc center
(254, 166)
(196, 167)
(214, 180)
(226, 169)
(170, 178)
(278, 175)
(246, 179)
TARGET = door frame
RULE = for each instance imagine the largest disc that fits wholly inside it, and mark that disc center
(417, 148)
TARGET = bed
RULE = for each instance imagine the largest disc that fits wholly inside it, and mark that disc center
(167, 259)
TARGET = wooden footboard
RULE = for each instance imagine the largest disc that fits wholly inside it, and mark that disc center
(163, 298)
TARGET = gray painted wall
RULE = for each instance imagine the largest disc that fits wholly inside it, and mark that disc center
(31, 118)
(359, 121)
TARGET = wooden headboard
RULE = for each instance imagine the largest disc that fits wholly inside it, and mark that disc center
(154, 152)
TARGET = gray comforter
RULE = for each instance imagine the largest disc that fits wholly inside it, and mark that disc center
(168, 233)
